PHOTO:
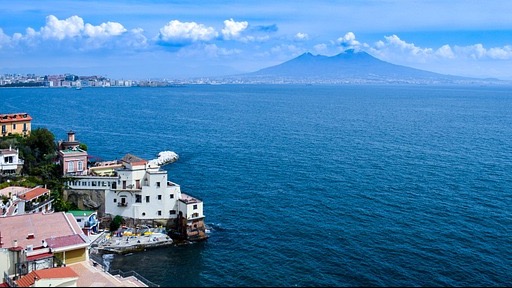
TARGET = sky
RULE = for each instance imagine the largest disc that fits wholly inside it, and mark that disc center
(158, 39)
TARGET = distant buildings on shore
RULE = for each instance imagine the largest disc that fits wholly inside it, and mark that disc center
(75, 81)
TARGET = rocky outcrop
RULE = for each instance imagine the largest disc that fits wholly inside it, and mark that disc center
(87, 199)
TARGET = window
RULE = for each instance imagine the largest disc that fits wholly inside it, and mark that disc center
(159, 212)
(159, 197)
(147, 199)
(3, 129)
(138, 198)
(71, 166)
(80, 166)
(13, 126)
(24, 126)
(143, 213)
(172, 212)
(172, 196)
(158, 184)
(115, 200)
(195, 206)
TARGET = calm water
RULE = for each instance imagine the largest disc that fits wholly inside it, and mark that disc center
(313, 185)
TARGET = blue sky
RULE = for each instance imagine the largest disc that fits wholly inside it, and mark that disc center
(178, 39)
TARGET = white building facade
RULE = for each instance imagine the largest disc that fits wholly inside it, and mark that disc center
(142, 192)
(10, 163)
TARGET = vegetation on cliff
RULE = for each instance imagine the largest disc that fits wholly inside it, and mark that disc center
(40, 167)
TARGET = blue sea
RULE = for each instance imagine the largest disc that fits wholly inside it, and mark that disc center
(357, 185)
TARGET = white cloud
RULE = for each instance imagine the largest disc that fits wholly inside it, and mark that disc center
(445, 51)
(60, 29)
(500, 53)
(176, 32)
(394, 48)
(301, 36)
(136, 39)
(104, 29)
(348, 41)
(214, 51)
(233, 29)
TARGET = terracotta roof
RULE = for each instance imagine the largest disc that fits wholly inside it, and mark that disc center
(39, 256)
(64, 241)
(51, 273)
(42, 226)
(34, 193)
(8, 118)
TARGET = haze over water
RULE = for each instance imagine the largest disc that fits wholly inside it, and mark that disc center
(313, 185)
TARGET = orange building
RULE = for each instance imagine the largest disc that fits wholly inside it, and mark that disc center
(18, 123)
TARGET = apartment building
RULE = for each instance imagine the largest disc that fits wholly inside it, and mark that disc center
(17, 123)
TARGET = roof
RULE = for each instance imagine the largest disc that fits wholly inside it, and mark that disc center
(39, 256)
(14, 190)
(16, 117)
(41, 226)
(134, 160)
(34, 193)
(51, 273)
(8, 151)
(64, 241)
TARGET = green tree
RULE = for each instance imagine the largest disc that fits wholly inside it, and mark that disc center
(38, 148)
(116, 223)
(82, 146)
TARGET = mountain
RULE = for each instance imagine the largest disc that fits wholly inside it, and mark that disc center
(347, 67)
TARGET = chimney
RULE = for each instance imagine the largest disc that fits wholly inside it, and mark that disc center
(71, 136)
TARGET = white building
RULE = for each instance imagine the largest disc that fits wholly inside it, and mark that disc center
(140, 191)
(10, 163)
(18, 200)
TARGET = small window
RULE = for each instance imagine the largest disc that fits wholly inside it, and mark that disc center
(13, 126)
(147, 199)
(143, 213)
(159, 197)
(80, 166)
(172, 212)
(195, 206)
(159, 212)
(172, 196)
(115, 200)
(158, 184)
(138, 199)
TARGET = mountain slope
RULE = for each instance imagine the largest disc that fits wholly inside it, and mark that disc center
(349, 66)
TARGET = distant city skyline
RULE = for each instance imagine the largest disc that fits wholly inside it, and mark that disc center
(181, 39)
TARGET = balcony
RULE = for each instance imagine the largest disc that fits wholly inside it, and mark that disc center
(121, 204)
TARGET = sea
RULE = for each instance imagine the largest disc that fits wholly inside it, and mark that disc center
(312, 185)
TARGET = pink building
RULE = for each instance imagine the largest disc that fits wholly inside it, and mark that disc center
(72, 159)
